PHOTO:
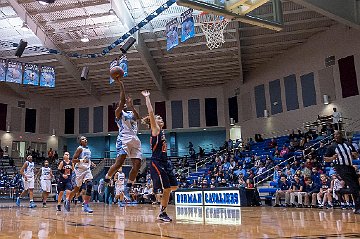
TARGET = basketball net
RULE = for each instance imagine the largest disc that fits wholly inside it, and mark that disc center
(213, 28)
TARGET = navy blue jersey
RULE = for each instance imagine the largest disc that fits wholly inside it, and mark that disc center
(66, 169)
(158, 146)
(284, 186)
(296, 185)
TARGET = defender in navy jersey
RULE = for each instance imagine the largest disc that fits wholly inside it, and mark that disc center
(127, 143)
(46, 175)
(65, 169)
(161, 168)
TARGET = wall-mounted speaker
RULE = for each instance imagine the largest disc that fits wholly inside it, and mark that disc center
(124, 48)
(20, 48)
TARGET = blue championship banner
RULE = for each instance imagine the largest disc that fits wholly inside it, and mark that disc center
(123, 63)
(187, 25)
(47, 76)
(31, 74)
(14, 72)
(2, 69)
(172, 37)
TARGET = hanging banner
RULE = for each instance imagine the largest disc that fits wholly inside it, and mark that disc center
(31, 74)
(2, 69)
(172, 37)
(123, 63)
(187, 25)
(47, 76)
(14, 72)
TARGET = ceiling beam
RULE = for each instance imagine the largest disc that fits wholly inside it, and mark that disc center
(237, 36)
(124, 14)
(346, 12)
(47, 42)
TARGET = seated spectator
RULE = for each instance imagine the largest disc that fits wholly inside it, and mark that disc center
(260, 172)
(276, 153)
(241, 181)
(272, 144)
(284, 151)
(284, 191)
(148, 193)
(258, 138)
(288, 168)
(213, 183)
(297, 190)
(223, 183)
(322, 196)
(276, 176)
(311, 190)
(315, 176)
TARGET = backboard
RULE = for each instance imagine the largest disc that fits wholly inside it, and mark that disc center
(238, 10)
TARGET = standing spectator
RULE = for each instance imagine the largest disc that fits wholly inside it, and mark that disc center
(95, 196)
(341, 152)
(337, 119)
(50, 154)
(283, 191)
(1, 152)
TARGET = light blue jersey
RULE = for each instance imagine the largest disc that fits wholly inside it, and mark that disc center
(127, 142)
(127, 125)
(86, 153)
(29, 170)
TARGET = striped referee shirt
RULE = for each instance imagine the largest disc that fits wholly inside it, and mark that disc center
(343, 151)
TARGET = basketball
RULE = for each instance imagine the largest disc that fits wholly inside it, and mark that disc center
(116, 72)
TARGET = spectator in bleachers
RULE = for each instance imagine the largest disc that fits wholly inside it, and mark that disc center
(272, 144)
(322, 196)
(288, 168)
(284, 151)
(355, 145)
(311, 190)
(276, 175)
(315, 176)
(292, 135)
(1, 152)
(213, 183)
(260, 172)
(258, 138)
(297, 190)
(241, 181)
(284, 187)
(95, 192)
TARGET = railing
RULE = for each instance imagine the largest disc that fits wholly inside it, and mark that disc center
(286, 160)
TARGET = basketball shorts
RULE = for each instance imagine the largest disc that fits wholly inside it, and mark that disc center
(119, 189)
(64, 185)
(162, 174)
(29, 184)
(82, 176)
(45, 185)
(129, 146)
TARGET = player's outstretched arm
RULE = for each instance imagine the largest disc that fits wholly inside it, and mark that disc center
(121, 104)
(155, 129)
(76, 156)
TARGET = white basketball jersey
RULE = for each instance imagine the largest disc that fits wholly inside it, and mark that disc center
(29, 171)
(86, 153)
(127, 125)
(45, 173)
(120, 178)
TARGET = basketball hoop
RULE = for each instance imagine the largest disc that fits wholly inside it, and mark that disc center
(213, 27)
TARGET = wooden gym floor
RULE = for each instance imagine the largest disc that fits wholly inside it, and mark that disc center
(188, 222)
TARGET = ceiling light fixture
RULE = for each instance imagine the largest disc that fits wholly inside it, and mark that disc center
(85, 38)
(45, 2)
